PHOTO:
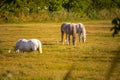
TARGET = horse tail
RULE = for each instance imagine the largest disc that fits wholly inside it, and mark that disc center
(83, 33)
(39, 46)
(62, 32)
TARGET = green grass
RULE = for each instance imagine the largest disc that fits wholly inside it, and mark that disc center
(87, 61)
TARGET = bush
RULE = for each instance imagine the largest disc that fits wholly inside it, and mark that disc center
(57, 10)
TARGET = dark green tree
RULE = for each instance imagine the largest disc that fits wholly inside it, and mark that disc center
(115, 61)
(116, 3)
(55, 5)
(102, 4)
(116, 27)
(76, 5)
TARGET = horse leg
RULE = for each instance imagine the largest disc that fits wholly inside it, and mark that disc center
(22, 51)
(79, 36)
(67, 42)
(73, 41)
(83, 38)
(34, 49)
(74, 35)
(62, 37)
(68, 39)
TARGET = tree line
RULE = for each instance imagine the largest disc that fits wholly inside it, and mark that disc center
(45, 10)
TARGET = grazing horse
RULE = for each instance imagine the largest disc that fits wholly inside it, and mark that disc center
(69, 29)
(24, 45)
(64, 27)
(80, 29)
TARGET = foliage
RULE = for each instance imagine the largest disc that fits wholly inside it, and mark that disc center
(12, 10)
(55, 5)
(116, 27)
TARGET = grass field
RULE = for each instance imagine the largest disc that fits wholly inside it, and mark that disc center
(96, 59)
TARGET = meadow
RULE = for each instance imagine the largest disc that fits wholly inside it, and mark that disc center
(96, 59)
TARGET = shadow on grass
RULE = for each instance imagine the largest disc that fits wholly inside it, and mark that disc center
(114, 64)
(1, 51)
(8, 75)
(48, 44)
(68, 75)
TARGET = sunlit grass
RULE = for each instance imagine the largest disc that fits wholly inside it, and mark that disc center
(86, 61)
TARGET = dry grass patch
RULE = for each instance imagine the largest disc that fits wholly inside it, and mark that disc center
(87, 61)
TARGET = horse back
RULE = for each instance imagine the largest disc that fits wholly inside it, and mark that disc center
(64, 27)
(71, 29)
(36, 45)
(34, 42)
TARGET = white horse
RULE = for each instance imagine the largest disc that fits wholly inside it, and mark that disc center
(24, 45)
(80, 29)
